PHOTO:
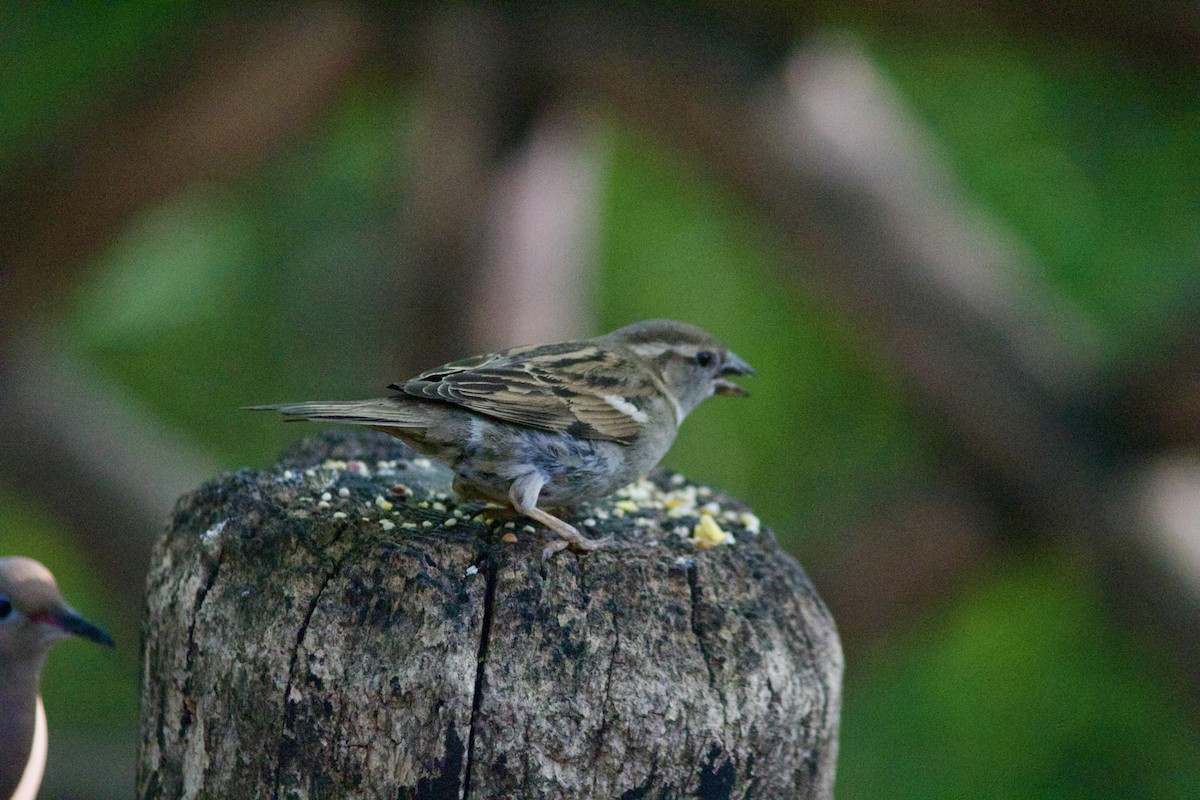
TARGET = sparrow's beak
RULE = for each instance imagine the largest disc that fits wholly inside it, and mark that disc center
(733, 366)
(70, 621)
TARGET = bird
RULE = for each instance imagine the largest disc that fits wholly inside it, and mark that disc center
(547, 427)
(33, 618)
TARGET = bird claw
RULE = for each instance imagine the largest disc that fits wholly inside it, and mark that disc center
(576, 541)
(554, 547)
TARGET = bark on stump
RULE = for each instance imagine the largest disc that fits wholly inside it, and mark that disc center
(303, 647)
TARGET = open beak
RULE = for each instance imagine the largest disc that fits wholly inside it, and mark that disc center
(733, 366)
(71, 622)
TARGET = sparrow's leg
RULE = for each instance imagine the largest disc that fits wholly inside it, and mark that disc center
(524, 495)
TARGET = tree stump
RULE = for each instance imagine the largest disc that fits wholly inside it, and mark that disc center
(338, 627)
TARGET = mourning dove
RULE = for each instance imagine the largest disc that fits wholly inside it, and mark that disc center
(33, 617)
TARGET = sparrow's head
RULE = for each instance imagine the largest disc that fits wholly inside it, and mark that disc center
(33, 613)
(692, 364)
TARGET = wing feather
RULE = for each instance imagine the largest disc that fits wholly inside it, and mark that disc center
(556, 388)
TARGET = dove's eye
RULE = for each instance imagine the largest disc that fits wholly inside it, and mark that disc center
(704, 358)
(6, 608)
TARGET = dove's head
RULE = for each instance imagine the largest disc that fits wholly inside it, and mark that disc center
(34, 615)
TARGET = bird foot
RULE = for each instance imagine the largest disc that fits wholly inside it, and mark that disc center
(574, 539)
(523, 495)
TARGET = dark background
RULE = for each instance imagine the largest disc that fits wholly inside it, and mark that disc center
(959, 244)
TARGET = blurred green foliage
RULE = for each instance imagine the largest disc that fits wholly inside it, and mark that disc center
(1093, 162)
(239, 293)
(59, 58)
(1023, 689)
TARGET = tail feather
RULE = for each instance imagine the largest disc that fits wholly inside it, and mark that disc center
(383, 411)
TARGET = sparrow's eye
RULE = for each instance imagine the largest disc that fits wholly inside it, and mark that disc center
(6, 608)
(704, 358)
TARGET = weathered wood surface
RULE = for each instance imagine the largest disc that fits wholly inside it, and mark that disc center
(299, 650)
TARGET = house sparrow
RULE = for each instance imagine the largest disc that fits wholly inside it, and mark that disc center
(553, 425)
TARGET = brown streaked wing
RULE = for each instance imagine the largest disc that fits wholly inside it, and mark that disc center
(553, 387)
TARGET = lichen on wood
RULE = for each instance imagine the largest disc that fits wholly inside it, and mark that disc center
(340, 626)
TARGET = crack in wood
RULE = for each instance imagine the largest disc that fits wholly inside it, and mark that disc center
(693, 580)
(289, 710)
(605, 722)
(185, 723)
(490, 571)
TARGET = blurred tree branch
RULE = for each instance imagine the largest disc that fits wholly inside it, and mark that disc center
(498, 224)
(1165, 37)
(541, 233)
(1157, 395)
(470, 106)
(250, 83)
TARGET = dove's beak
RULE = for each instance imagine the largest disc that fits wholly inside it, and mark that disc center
(71, 622)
